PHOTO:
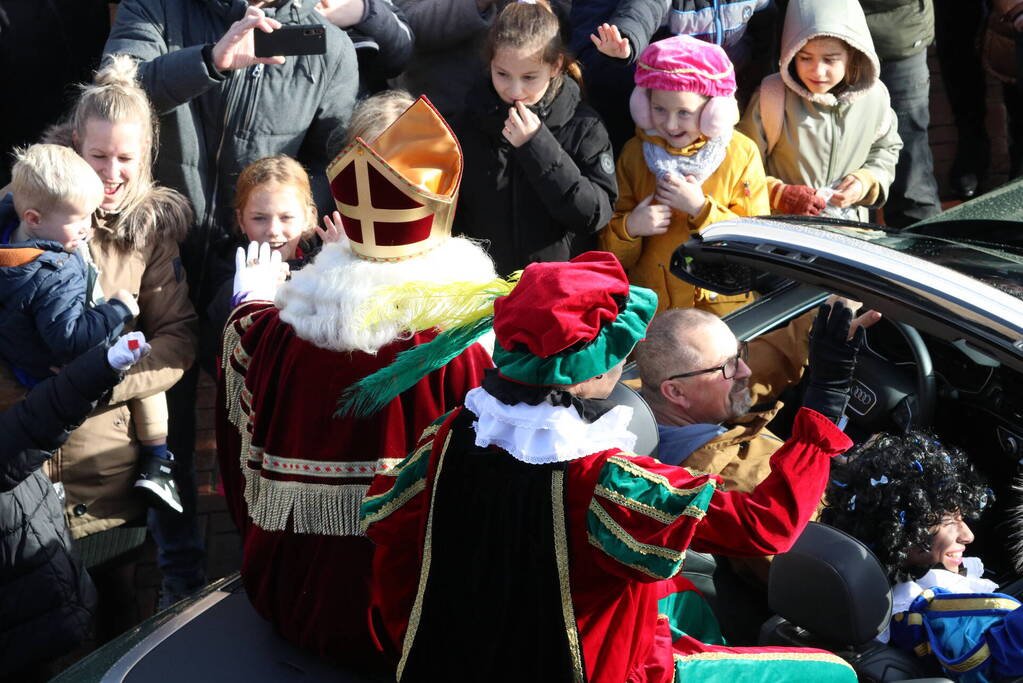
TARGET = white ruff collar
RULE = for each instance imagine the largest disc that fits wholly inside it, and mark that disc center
(543, 434)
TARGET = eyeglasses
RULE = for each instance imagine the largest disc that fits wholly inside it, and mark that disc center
(728, 368)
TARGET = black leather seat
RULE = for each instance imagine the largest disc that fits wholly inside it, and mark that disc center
(643, 424)
(830, 592)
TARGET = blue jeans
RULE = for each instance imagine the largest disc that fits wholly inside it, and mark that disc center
(913, 195)
(181, 553)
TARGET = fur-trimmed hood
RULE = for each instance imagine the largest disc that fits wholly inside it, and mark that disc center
(842, 19)
(162, 210)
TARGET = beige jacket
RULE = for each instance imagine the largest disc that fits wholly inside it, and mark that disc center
(97, 465)
(825, 137)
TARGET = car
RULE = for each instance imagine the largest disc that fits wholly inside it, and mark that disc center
(947, 356)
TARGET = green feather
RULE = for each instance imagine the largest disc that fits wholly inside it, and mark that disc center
(372, 393)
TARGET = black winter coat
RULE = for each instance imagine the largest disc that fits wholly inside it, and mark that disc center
(46, 597)
(545, 200)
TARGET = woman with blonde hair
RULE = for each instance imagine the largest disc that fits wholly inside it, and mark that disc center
(135, 247)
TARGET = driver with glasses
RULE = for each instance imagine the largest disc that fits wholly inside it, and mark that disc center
(713, 396)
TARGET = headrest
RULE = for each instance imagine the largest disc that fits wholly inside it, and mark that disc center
(643, 424)
(831, 585)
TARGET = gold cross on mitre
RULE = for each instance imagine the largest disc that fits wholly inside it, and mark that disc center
(397, 198)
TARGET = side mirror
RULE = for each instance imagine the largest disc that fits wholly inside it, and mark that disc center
(711, 271)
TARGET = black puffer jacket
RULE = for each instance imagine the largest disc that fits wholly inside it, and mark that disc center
(545, 200)
(46, 597)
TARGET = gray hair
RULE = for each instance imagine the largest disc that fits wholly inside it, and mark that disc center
(668, 348)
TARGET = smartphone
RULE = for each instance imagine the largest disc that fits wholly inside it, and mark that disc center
(303, 39)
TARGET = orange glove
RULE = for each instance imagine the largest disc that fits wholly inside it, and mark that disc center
(798, 200)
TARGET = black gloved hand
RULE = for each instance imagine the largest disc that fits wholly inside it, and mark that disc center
(832, 360)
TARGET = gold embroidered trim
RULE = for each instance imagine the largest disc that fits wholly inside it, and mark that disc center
(638, 567)
(695, 512)
(973, 661)
(626, 538)
(561, 553)
(635, 469)
(323, 509)
(634, 505)
(914, 619)
(424, 573)
(328, 470)
(402, 498)
(955, 605)
(689, 70)
(764, 657)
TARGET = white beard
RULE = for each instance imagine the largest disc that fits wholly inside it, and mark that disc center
(321, 300)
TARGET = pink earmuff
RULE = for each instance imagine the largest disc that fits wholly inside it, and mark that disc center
(719, 114)
(639, 107)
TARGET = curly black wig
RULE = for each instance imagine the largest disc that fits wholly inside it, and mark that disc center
(893, 490)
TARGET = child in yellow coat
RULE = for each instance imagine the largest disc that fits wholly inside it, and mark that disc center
(685, 169)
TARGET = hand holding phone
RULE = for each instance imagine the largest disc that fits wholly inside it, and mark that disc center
(303, 39)
(236, 48)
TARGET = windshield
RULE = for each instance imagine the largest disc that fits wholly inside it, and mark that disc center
(996, 264)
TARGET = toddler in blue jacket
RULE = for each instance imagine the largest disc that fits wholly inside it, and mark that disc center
(53, 308)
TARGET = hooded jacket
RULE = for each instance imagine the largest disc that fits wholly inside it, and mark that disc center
(824, 137)
(544, 200)
(736, 188)
(46, 597)
(214, 124)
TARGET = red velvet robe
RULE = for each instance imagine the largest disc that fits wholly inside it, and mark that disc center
(614, 596)
(294, 474)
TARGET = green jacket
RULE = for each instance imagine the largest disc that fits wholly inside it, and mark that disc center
(824, 137)
(900, 28)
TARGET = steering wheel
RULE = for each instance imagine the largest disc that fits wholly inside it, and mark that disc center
(883, 396)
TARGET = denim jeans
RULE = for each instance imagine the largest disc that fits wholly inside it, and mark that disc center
(913, 195)
(181, 553)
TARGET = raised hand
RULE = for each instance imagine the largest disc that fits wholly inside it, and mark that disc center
(341, 13)
(258, 273)
(332, 230)
(236, 50)
(648, 219)
(609, 41)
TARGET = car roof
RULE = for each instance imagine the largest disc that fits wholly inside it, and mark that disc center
(968, 288)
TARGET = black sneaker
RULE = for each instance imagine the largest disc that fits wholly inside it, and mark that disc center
(156, 479)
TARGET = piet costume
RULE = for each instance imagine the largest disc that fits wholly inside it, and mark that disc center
(974, 637)
(294, 473)
(520, 541)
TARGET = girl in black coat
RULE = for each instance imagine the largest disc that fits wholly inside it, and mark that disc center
(539, 177)
(46, 597)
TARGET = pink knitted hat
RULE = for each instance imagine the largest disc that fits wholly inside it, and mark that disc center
(687, 64)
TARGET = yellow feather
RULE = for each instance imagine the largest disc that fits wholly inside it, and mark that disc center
(422, 306)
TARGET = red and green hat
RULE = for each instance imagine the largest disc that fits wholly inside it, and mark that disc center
(556, 323)
(565, 323)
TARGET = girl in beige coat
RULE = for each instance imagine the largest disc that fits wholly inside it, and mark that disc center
(824, 124)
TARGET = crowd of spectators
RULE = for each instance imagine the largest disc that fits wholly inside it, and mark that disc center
(572, 123)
